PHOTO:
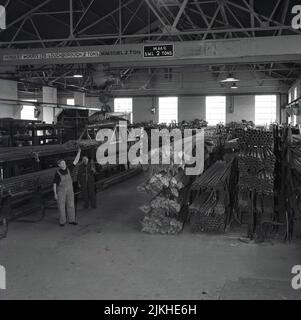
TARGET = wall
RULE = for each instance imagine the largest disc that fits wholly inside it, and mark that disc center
(194, 107)
(9, 90)
(197, 80)
(243, 108)
(192, 84)
(48, 113)
(291, 92)
(142, 109)
(292, 97)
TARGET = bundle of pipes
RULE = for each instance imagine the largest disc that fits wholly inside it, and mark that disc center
(257, 165)
(27, 183)
(288, 176)
(169, 187)
(255, 175)
(35, 152)
(292, 190)
(214, 178)
(252, 138)
(256, 161)
(295, 158)
(240, 125)
(195, 124)
(208, 212)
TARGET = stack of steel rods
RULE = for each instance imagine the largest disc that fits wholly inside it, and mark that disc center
(28, 182)
(214, 178)
(32, 152)
(254, 137)
(209, 210)
(256, 161)
(162, 214)
(210, 215)
(168, 184)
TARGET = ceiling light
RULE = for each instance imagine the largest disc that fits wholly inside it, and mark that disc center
(78, 76)
(230, 78)
(234, 86)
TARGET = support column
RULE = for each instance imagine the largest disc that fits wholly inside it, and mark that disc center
(80, 99)
(49, 96)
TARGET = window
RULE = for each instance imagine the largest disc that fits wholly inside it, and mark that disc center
(296, 93)
(215, 110)
(295, 98)
(28, 111)
(168, 110)
(70, 102)
(124, 106)
(265, 110)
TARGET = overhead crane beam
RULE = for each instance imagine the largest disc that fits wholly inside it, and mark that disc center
(244, 50)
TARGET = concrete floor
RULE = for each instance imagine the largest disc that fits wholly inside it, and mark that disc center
(106, 257)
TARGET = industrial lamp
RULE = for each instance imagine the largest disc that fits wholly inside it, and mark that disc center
(230, 78)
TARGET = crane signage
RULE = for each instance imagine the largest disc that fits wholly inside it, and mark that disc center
(160, 51)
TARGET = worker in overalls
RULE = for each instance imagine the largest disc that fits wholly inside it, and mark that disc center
(86, 181)
(63, 191)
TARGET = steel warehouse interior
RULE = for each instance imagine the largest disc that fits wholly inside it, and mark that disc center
(150, 150)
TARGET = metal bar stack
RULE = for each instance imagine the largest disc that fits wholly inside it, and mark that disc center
(32, 152)
(211, 205)
(163, 215)
(256, 163)
(169, 186)
(288, 188)
(27, 183)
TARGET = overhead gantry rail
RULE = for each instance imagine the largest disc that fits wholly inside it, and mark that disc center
(243, 50)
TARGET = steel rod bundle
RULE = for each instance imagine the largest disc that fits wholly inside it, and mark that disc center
(213, 178)
(163, 213)
(210, 217)
(257, 167)
(256, 161)
(169, 186)
(35, 152)
(208, 212)
(250, 138)
(27, 183)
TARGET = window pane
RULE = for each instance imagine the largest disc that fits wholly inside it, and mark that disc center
(265, 110)
(168, 110)
(125, 106)
(27, 112)
(215, 110)
(70, 102)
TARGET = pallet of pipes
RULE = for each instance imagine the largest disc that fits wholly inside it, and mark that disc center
(294, 193)
(35, 152)
(256, 164)
(169, 187)
(210, 209)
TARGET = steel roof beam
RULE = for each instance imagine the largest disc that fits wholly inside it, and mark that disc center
(179, 15)
(131, 36)
(105, 17)
(27, 14)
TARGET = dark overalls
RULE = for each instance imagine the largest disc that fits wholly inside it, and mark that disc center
(65, 195)
(86, 178)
